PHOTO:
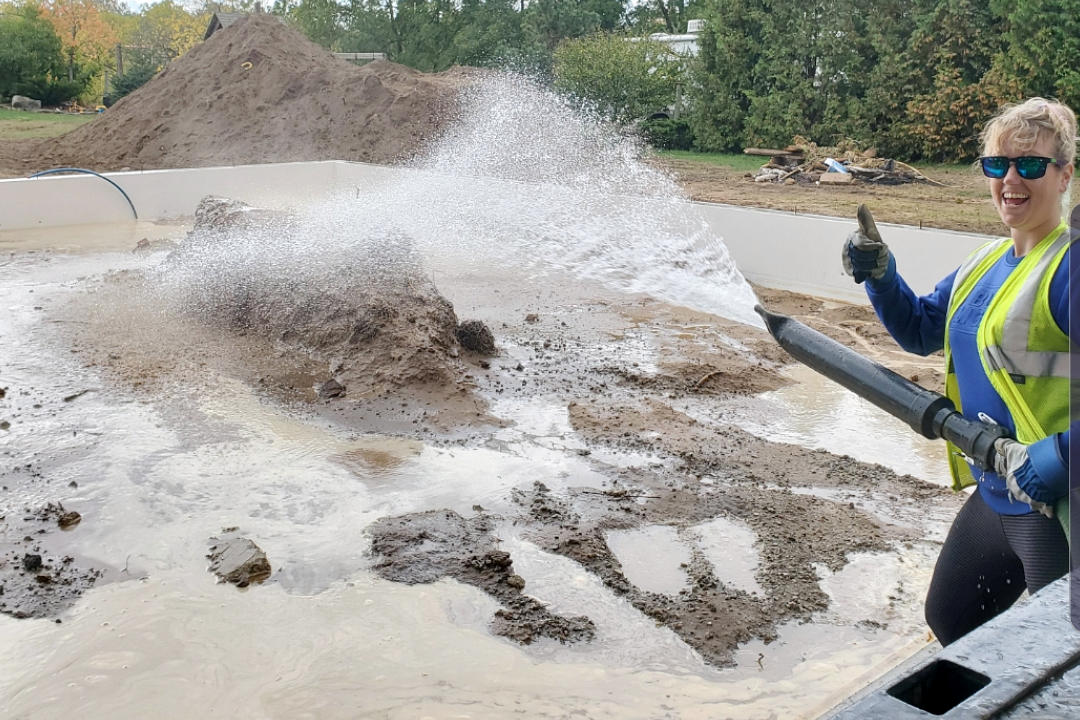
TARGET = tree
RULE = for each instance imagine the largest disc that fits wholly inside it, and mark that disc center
(556, 20)
(955, 42)
(320, 20)
(86, 38)
(1042, 47)
(722, 78)
(132, 79)
(30, 50)
(492, 33)
(366, 27)
(624, 79)
(668, 16)
(165, 32)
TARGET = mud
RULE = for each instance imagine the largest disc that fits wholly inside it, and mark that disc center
(237, 560)
(476, 337)
(424, 547)
(367, 328)
(372, 316)
(37, 578)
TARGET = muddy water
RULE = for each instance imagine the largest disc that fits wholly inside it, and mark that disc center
(816, 412)
(325, 637)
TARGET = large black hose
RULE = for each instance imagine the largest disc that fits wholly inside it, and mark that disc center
(930, 414)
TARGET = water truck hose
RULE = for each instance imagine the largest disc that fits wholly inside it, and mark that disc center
(928, 413)
(55, 171)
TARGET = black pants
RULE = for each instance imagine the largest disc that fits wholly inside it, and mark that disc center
(987, 562)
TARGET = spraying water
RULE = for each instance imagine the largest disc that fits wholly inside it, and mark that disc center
(522, 176)
(576, 195)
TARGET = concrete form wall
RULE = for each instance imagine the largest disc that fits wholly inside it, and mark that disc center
(58, 200)
(772, 248)
(803, 252)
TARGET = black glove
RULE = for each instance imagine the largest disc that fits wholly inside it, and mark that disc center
(865, 255)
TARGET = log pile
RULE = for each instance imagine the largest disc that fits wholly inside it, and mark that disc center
(804, 162)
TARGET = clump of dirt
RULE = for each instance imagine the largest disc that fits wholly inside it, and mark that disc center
(423, 547)
(35, 580)
(370, 313)
(237, 560)
(476, 336)
(255, 92)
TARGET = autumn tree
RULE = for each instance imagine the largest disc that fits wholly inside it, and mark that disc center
(85, 37)
(1042, 47)
(165, 31)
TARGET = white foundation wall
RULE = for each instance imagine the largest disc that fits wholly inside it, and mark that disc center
(802, 253)
(58, 200)
(774, 249)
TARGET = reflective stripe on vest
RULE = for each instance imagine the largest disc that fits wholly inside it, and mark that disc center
(1013, 353)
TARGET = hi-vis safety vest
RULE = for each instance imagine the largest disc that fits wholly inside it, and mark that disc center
(1024, 353)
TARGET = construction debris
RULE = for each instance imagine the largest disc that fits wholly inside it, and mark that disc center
(805, 162)
(836, 178)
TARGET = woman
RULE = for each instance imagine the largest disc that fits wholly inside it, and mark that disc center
(1003, 321)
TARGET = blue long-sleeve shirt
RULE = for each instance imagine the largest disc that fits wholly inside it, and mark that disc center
(917, 323)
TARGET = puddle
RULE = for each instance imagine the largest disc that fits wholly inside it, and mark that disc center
(869, 590)
(651, 557)
(729, 546)
(816, 412)
(86, 239)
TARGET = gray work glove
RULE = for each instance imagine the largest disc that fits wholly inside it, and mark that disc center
(1013, 464)
(865, 255)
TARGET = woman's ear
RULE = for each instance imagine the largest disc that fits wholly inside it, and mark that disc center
(1066, 176)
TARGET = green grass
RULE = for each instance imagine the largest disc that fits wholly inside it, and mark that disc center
(22, 125)
(738, 161)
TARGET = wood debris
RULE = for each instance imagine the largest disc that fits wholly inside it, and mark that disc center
(804, 162)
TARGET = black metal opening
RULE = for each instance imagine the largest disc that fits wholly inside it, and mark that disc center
(939, 687)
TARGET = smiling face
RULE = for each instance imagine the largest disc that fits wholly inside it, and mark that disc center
(1030, 208)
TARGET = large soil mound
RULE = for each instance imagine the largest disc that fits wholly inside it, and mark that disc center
(257, 91)
(370, 311)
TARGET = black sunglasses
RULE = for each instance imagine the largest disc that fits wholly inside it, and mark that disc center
(1029, 167)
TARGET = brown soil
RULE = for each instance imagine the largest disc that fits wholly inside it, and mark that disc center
(237, 560)
(373, 315)
(257, 91)
(368, 330)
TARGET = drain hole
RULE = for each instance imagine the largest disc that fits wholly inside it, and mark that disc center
(939, 687)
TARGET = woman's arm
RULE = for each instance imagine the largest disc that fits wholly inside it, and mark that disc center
(916, 323)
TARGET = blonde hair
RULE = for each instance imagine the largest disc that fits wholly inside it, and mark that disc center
(1030, 121)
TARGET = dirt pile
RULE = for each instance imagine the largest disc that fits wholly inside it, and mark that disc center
(255, 92)
(370, 314)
